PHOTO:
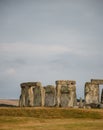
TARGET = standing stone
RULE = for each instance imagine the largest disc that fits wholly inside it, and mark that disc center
(97, 81)
(31, 94)
(37, 92)
(102, 96)
(91, 93)
(50, 96)
(66, 93)
(26, 97)
(81, 103)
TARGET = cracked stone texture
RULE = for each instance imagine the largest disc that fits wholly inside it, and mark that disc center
(30, 94)
(66, 93)
(91, 93)
(102, 96)
(50, 96)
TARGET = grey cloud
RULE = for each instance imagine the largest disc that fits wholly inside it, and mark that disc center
(74, 62)
(28, 20)
(46, 40)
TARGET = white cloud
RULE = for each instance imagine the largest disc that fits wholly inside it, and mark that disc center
(23, 50)
(11, 72)
(33, 48)
(45, 41)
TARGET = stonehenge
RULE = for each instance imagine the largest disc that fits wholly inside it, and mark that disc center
(102, 96)
(34, 95)
(92, 92)
(31, 94)
(66, 93)
(97, 81)
(50, 96)
(63, 94)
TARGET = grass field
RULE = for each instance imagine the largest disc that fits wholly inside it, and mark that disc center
(50, 119)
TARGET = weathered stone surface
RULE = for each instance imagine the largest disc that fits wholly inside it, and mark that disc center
(43, 96)
(102, 96)
(91, 93)
(37, 96)
(31, 94)
(66, 93)
(26, 98)
(50, 96)
(97, 81)
(62, 82)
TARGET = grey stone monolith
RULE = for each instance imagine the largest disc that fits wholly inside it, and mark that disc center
(102, 96)
(50, 96)
(66, 93)
(91, 93)
(37, 95)
(97, 81)
(31, 94)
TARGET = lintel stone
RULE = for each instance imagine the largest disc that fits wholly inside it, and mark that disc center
(97, 81)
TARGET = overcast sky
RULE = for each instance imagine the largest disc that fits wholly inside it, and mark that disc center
(49, 40)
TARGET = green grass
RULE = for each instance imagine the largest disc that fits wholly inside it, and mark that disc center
(50, 119)
(30, 123)
(49, 113)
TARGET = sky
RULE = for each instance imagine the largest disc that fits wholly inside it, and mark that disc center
(49, 40)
